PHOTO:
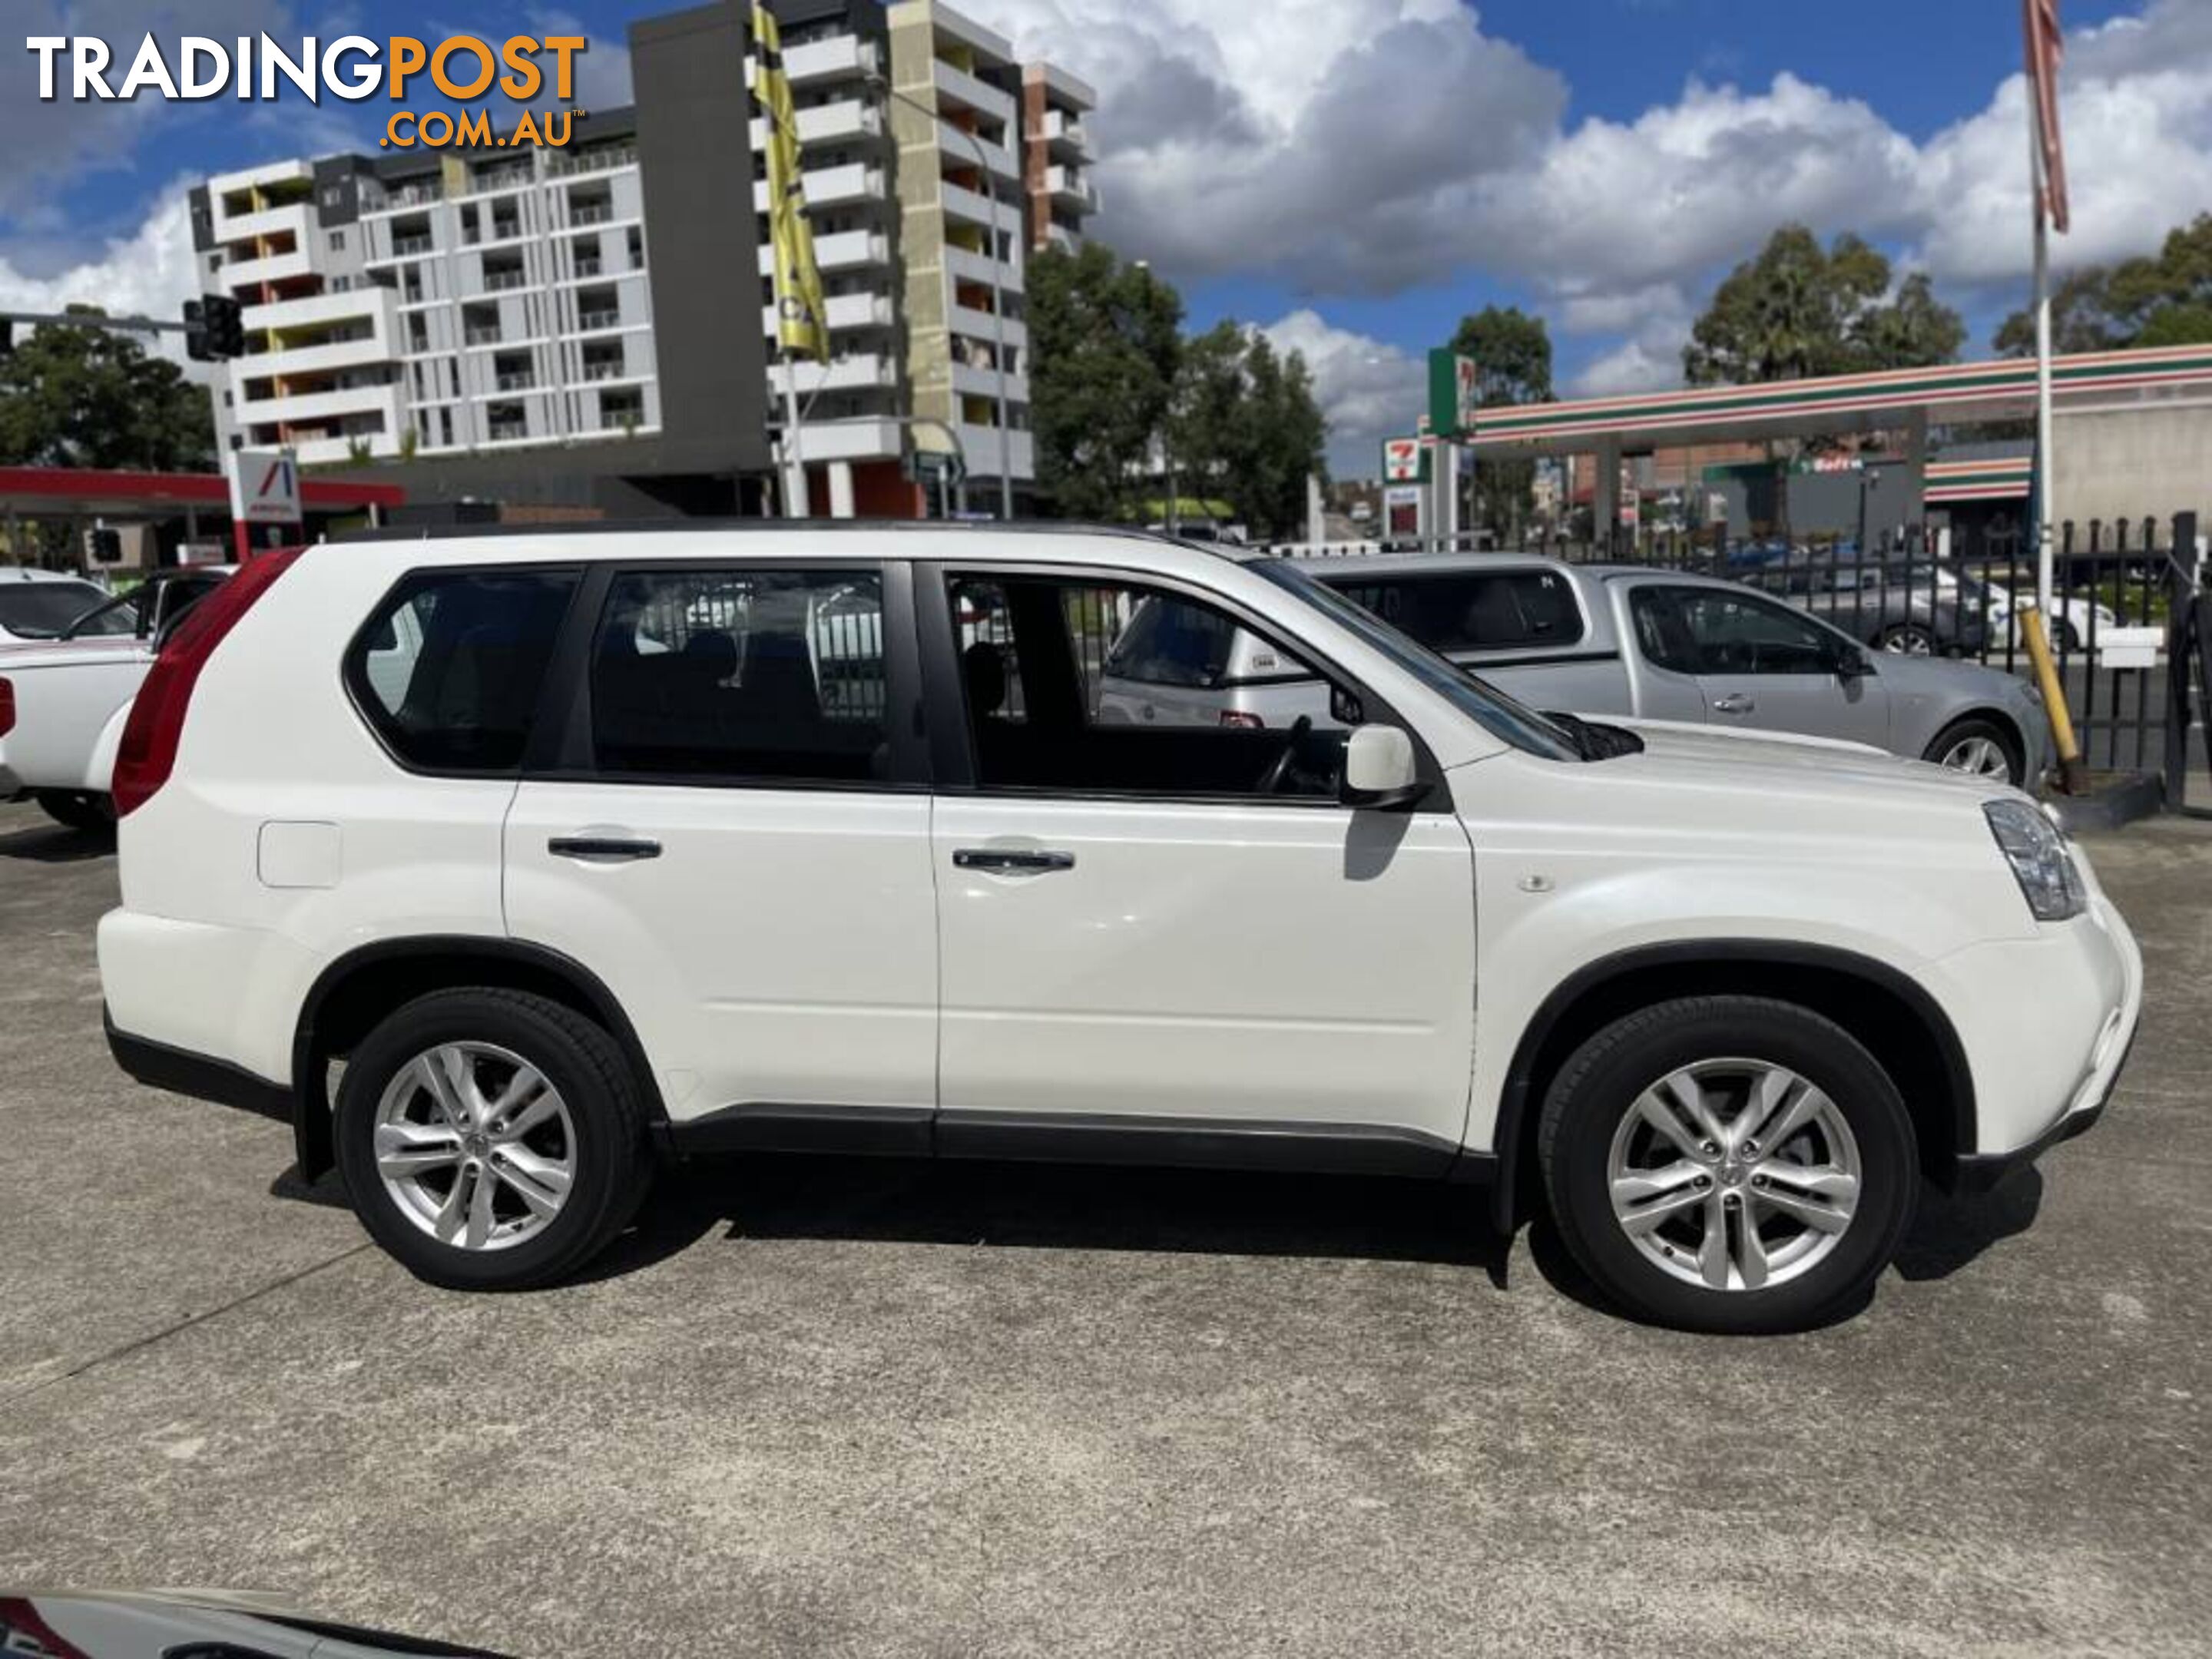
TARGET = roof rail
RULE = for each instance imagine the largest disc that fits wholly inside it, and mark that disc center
(670, 526)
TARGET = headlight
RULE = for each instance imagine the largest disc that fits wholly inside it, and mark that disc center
(2040, 863)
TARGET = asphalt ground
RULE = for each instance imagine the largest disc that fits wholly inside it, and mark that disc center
(842, 1407)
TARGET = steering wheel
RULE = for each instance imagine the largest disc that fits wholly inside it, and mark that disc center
(1271, 779)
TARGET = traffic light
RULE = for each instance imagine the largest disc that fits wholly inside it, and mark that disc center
(213, 329)
(105, 545)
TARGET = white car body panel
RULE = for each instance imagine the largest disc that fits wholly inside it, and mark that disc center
(67, 697)
(1228, 961)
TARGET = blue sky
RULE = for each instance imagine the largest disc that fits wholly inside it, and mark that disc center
(1353, 174)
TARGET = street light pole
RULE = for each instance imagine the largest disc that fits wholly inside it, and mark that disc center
(999, 299)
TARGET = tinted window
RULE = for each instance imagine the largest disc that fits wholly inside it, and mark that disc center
(1474, 610)
(1171, 642)
(449, 668)
(742, 674)
(41, 610)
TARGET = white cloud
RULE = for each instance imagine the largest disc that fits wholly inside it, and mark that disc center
(1367, 390)
(150, 273)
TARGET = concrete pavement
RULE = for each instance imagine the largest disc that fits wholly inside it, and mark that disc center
(837, 1407)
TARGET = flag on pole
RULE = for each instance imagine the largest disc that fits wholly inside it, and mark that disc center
(2046, 45)
(802, 324)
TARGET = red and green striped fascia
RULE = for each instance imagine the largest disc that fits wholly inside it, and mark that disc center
(2007, 379)
(1998, 479)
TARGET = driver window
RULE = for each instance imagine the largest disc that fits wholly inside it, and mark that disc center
(1082, 687)
(1737, 633)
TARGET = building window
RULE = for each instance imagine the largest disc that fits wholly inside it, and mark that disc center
(337, 240)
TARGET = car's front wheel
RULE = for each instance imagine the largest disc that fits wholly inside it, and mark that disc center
(491, 1140)
(1908, 640)
(1728, 1164)
(1980, 747)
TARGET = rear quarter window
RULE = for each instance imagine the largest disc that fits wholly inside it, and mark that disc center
(448, 668)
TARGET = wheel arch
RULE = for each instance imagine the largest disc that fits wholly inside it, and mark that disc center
(354, 993)
(1894, 1017)
(2006, 722)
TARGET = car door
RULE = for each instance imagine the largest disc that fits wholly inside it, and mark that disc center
(1763, 666)
(731, 831)
(1167, 939)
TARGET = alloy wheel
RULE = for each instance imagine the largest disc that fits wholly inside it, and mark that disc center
(1733, 1175)
(1984, 758)
(1908, 642)
(475, 1145)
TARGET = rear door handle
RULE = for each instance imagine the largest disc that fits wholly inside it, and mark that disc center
(1008, 859)
(603, 849)
(1735, 704)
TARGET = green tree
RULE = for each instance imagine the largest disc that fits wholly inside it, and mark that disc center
(88, 397)
(2161, 300)
(1244, 427)
(1104, 348)
(1800, 310)
(1512, 353)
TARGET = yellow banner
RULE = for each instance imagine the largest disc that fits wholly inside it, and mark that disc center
(802, 324)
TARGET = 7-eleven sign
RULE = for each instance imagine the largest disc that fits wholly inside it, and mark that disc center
(1404, 460)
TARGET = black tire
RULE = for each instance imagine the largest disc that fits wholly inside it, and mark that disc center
(1907, 640)
(83, 809)
(2064, 637)
(611, 1153)
(1598, 1088)
(1975, 727)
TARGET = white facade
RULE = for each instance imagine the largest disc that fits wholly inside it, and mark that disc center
(525, 307)
(320, 371)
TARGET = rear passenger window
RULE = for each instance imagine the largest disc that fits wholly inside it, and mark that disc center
(449, 668)
(745, 674)
(1475, 610)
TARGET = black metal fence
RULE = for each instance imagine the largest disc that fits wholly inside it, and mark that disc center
(2121, 596)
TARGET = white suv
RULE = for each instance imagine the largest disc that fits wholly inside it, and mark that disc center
(585, 850)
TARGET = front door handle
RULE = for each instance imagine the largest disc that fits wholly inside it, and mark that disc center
(603, 849)
(1735, 704)
(1010, 860)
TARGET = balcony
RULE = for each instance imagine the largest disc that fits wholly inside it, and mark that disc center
(591, 322)
(268, 221)
(850, 250)
(276, 268)
(585, 268)
(982, 325)
(959, 87)
(846, 311)
(1059, 236)
(965, 147)
(1065, 130)
(868, 371)
(482, 335)
(605, 369)
(961, 203)
(965, 266)
(841, 57)
(406, 247)
(522, 380)
(595, 213)
(500, 282)
(979, 444)
(864, 438)
(411, 196)
(1072, 187)
(844, 121)
(829, 187)
(307, 407)
(970, 382)
(604, 160)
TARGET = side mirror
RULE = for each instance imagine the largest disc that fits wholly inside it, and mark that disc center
(1379, 770)
(1852, 665)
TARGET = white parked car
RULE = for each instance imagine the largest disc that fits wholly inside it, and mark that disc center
(564, 906)
(36, 605)
(63, 702)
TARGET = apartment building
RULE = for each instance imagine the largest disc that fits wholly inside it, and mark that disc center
(597, 322)
(432, 305)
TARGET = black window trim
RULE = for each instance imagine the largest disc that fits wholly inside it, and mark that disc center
(952, 743)
(562, 749)
(353, 672)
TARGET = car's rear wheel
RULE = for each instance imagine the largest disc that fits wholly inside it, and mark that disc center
(1727, 1163)
(491, 1140)
(84, 810)
(1980, 747)
(1907, 640)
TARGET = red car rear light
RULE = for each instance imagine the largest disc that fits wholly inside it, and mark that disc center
(149, 749)
(1241, 721)
(7, 707)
